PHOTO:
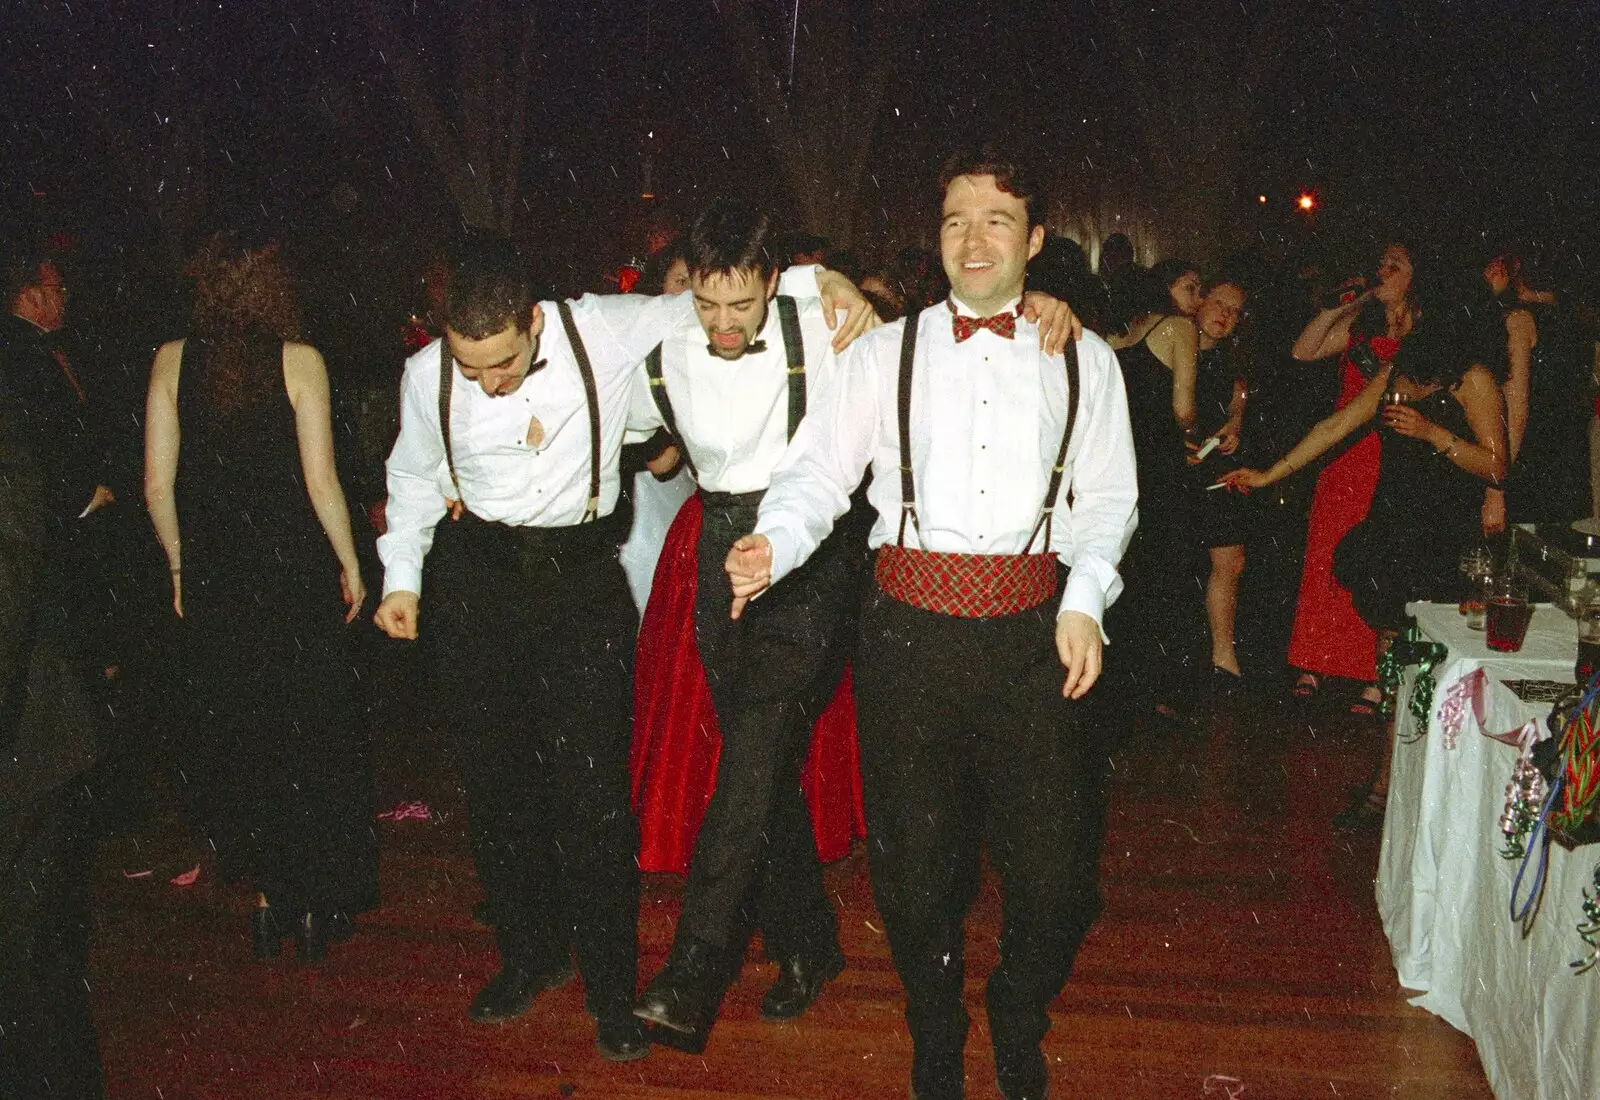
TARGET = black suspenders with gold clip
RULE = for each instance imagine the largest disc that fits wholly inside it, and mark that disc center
(908, 491)
(794, 351)
(591, 397)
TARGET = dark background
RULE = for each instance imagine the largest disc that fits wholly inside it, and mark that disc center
(1453, 122)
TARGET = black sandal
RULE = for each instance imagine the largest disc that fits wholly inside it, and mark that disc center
(1306, 685)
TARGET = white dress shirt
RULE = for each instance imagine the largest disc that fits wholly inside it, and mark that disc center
(503, 477)
(986, 423)
(733, 415)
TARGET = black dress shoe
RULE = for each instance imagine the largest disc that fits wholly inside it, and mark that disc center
(685, 996)
(621, 1039)
(800, 983)
(1021, 1073)
(512, 992)
(266, 938)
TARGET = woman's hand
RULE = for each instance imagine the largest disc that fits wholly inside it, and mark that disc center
(1409, 422)
(1228, 438)
(1244, 480)
(355, 593)
(1494, 512)
(177, 592)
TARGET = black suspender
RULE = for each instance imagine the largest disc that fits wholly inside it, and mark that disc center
(447, 377)
(591, 395)
(908, 492)
(908, 488)
(658, 392)
(1047, 513)
(794, 351)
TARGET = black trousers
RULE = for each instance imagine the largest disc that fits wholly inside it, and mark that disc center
(770, 674)
(534, 632)
(967, 741)
(48, 1046)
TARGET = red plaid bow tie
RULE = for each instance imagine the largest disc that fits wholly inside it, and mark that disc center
(1003, 325)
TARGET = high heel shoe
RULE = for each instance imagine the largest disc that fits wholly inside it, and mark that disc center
(311, 937)
(266, 938)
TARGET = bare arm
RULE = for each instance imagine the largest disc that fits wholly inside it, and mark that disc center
(306, 379)
(161, 440)
(1328, 332)
(1521, 335)
(1175, 342)
(1331, 429)
(1485, 457)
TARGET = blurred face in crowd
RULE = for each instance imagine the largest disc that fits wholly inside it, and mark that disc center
(732, 307)
(676, 280)
(1219, 313)
(1185, 292)
(1497, 273)
(1394, 276)
(499, 364)
(986, 243)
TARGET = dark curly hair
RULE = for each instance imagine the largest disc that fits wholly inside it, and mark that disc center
(243, 288)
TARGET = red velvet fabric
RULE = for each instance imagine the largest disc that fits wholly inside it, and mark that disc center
(676, 744)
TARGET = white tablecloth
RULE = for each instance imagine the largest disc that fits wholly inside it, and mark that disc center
(1444, 891)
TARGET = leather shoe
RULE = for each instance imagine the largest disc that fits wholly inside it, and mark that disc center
(800, 982)
(512, 992)
(685, 996)
(1021, 1073)
(621, 1039)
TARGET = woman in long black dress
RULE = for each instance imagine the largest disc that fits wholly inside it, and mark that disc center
(1158, 618)
(1441, 439)
(245, 499)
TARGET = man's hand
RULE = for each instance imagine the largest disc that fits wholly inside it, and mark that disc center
(1055, 319)
(397, 615)
(749, 567)
(840, 293)
(1078, 646)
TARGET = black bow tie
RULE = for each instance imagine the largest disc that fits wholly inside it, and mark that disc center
(754, 348)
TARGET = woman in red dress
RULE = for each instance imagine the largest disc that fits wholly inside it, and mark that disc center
(1329, 638)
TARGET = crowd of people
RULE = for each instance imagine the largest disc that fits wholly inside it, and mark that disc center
(934, 491)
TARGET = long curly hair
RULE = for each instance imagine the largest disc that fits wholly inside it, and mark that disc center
(243, 287)
(243, 297)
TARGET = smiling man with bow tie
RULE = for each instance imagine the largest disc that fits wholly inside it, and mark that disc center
(1004, 487)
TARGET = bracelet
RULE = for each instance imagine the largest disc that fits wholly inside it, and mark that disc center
(175, 572)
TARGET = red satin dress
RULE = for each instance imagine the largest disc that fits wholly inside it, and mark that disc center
(676, 744)
(1329, 638)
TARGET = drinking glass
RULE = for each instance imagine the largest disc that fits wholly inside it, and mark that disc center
(1507, 615)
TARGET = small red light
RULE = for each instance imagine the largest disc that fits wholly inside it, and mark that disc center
(1307, 201)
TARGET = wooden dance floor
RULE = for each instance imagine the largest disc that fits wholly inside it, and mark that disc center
(1239, 958)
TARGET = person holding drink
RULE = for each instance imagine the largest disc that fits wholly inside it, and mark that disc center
(1440, 443)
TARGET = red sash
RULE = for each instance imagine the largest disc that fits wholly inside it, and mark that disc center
(968, 586)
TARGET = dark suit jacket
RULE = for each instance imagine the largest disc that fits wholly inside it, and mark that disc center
(64, 429)
(47, 723)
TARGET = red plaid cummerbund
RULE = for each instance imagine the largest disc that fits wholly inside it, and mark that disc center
(968, 586)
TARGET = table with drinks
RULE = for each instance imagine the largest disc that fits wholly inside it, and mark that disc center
(1443, 889)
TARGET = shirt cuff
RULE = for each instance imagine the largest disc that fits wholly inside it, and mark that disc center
(783, 551)
(1084, 594)
(402, 577)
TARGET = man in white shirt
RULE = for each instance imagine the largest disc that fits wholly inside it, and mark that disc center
(521, 421)
(731, 384)
(1017, 483)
